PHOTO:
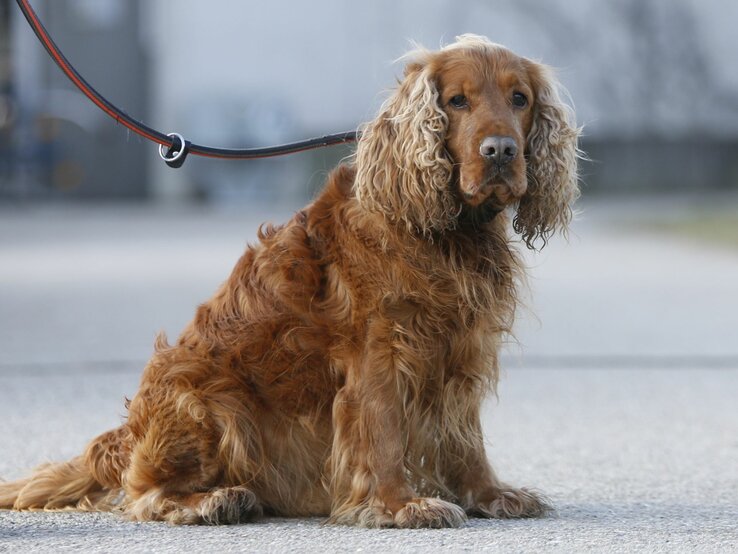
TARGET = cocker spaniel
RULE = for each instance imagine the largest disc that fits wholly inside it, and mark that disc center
(340, 369)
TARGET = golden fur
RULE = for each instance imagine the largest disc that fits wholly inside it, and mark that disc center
(340, 369)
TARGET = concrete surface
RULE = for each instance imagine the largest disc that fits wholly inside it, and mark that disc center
(619, 400)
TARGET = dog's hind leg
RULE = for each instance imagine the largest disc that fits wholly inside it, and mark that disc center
(174, 473)
(218, 506)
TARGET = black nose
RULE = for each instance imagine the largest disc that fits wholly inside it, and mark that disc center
(501, 150)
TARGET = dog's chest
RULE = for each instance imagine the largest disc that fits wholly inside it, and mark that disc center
(458, 291)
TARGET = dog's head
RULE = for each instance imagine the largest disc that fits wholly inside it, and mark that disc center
(471, 129)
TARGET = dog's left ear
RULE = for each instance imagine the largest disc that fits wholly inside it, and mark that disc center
(402, 166)
(552, 155)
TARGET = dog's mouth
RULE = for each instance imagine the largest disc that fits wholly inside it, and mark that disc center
(497, 188)
(481, 214)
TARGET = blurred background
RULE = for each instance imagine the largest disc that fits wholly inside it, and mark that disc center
(102, 244)
(654, 83)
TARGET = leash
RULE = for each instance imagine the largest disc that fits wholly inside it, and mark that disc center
(177, 147)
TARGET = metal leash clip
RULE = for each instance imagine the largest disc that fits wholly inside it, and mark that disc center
(177, 152)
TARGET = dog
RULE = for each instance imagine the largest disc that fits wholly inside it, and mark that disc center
(340, 369)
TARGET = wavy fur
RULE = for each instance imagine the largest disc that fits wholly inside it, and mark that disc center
(403, 170)
(552, 163)
(340, 369)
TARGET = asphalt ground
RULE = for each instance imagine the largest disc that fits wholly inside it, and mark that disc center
(618, 400)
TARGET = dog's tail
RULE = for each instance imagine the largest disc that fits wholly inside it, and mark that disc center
(88, 482)
(51, 487)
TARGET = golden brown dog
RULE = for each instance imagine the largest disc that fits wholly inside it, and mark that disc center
(340, 369)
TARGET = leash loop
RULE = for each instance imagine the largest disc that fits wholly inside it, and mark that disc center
(177, 152)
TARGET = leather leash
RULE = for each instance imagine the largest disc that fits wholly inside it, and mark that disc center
(177, 147)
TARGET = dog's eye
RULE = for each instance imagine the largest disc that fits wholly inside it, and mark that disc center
(519, 100)
(458, 101)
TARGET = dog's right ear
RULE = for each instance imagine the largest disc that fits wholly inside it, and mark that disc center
(402, 167)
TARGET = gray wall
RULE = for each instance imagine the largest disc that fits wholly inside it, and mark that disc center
(66, 147)
(698, 164)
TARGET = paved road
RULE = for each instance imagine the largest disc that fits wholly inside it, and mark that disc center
(619, 402)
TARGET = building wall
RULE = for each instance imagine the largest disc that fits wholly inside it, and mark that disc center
(65, 146)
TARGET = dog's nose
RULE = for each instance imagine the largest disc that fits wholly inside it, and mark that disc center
(500, 150)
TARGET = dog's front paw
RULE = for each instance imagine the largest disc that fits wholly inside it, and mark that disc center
(412, 514)
(509, 503)
(429, 512)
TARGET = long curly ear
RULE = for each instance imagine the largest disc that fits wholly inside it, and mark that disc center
(402, 167)
(552, 155)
